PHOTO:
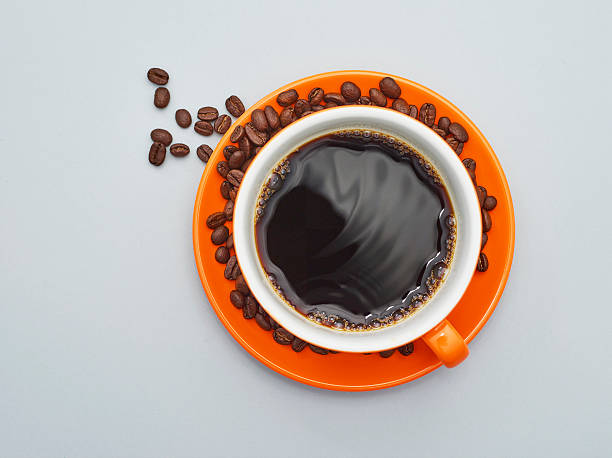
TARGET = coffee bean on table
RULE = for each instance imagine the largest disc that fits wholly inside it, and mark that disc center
(161, 136)
(215, 220)
(389, 87)
(237, 299)
(318, 350)
(443, 123)
(237, 159)
(413, 111)
(386, 353)
(427, 114)
(179, 150)
(226, 187)
(230, 242)
(490, 203)
(223, 168)
(157, 153)
(286, 98)
(283, 337)
(263, 322)
(235, 177)
(222, 123)
(183, 118)
(469, 163)
(481, 192)
(486, 221)
(272, 117)
(334, 97)
(228, 151)
(222, 255)
(377, 97)
(350, 91)
(204, 152)
(241, 285)
(407, 349)
(234, 106)
(485, 239)
(301, 107)
(237, 134)
(203, 128)
(458, 131)
(256, 137)
(258, 118)
(364, 100)
(401, 105)
(287, 116)
(161, 98)
(219, 235)
(250, 308)
(483, 263)
(298, 344)
(231, 269)
(229, 210)
(158, 76)
(208, 114)
(315, 96)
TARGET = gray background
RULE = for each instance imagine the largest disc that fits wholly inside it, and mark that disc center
(107, 344)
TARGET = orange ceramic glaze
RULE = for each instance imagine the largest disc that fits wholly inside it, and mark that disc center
(356, 372)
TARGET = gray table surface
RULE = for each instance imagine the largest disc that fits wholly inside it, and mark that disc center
(108, 346)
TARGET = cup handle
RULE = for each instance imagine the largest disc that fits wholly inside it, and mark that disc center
(447, 344)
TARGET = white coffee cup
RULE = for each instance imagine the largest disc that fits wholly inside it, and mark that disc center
(429, 321)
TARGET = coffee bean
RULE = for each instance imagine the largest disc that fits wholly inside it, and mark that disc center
(330, 105)
(246, 164)
(401, 105)
(161, 98)
(287, 116)
(386, 353)
(245, 145)
(228, 151)
(162, 136)
(273, 323)
(389, 87)
(483, 263)
(232, 194)
(315, 96)
(223, 168)
(458, 131)
(242, 286)
(334, 97)
(469, 163)
(317, 108)
(459, 149)
(222, 123)
(364, 100)
(318, 350)
(438, 131)
(237, 299)
(234, 106)
(452, 142)
(183, 118)
(250, 308)
(443, 123)
(222, 255)
(237, 134)
(258, 118)
(413, 111)
(229, 210)
(472, 175)
(157, 153)
(377, 97)
(283, 337)
(485, 239)
(286, 98)
(490, 203)
(219, 235)
(350, 91)
(427, 114)
(203, 128)
(158, 76)
(204, 152)
(237, 159)
(231, 269)
(255, 136)
(407, 349)
(481, 191)
(301, 106)
(263, 322)
(230, 242)
(235, 177)
(179, 150)
(225, 189)
(208, 114)
(272, 117)
(298, 344)
(306, 113)
(215, 220)
(486, 221)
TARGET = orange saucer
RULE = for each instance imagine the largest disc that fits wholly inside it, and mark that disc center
(356, 372)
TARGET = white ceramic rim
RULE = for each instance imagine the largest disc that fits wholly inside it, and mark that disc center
(461, 192)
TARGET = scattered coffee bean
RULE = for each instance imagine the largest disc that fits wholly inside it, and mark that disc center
(318, 350)
(427, 114)
(179, 150)
(389, 87)
(208, 114)
(286, 98)
(219, 235)
(222, 255)
(483, 263)
(255, 136)
(485, 239)
(245, 145)
(272, 117)
(317, 107)
(458, 131)
(237, 299)
(486, 221)
(234, 106)
(490, 203)
(231, 269)
(223, 168)
(250, 308)
(377, 97)
(230, 242)
(407, 349)
(298, 344)
(222, 123)
(183, 118)
(452, 142)
(246, 164)
(263, 322)
(237, 134)
(228, 151)
(204, 152)
(237, 159)
(443, 123)
(413, 111)
(350, 91)
(469, 163)
(273, 323)
(161, 136)
(301, 107)
(203, 128)
(386, 353)
(229, 210)
(226, 187)
(330, 105)
(364, 100)
(241, 285)
(235, 177)
(459, 149)
(158, 76)
(315, 96)
(283, 337)
(306, 113)
(258, 118)
(472, 175)
(232, 194)
(334, 97)
(215, 220)
(287, 116)
(157, 153)
(161, 98)
(481, 192)
(401, 105)
(438, 131)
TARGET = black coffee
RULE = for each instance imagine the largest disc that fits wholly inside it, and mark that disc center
(355, 230)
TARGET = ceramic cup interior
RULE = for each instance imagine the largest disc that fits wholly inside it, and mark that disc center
(458, 185)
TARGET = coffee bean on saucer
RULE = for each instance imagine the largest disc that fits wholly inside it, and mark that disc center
(235, 177)
(256, 137)
(204, 152)
(452, 142)
(401, 105)
(229, 150)
(231, 269)
(245, 145)
(157, 153)
(258, 118)
(469, 163)
(161, 98)
(334, 97)
(427, 114)
(483, 263)
(282, 336)
(350, 91)
(272, 117)
(459, 149)
(215, 220)
(230, 242)
(486, 221)
(413, 111)
(161, 136)
(458, 131)
(301, 107)
(237, 159)
(219, 235)
(208, 114)
(330, 105)
(490, 203)
(287, 116)
(485, 239)
(377, 97)
(158, 76)
(179, 150)
(237, 299)
(223, 168)
(183, 118)
(229, 210)
(389, 87)
(315, 96)
(232, 194)
(203, 128)
(481, 192)
(318, 350)
(407, 349)
(298, 344)
(246, 164)
(234, 106)
(250, 308)
(472, 175)
(443, 123)
(222, 123)
(439, 131)
(286, 98)
(263, 322)
(306, 113)
(226, 187)
(241, 285)
(386, 353)
(222, 255)
(364, 100)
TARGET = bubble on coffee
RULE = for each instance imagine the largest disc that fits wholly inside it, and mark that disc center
(355, 230)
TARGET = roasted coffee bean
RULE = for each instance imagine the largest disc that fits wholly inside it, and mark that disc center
(215, 220)
(490, 203)
(438, 131)
(287, 116)
(161, 136)
(286, 98)
(237, 159)
(234, 106)
(443, 123)
(377, 97)
(161, 98)
(469, 163)
(330, 105)
(204, 152)
(245, 145)
(389, 87)
(237, 134)
(237, 299)
(226, 187)
(235, 177)
(158, 76)
(413, 111)
(334, 97)
(223, 168)
(229, 243)
(481, 192)
(208, 114)
(272, 117)
(242, 286)
(315, 96)
(452, 142)
(485, 239)
(298, 344)
(333, 352)
(459, 149)
(401, 105)
(407, 349)
(263, 322)
(258, 118)
(458, 131)
(486, 221)
(203, 128)
(256, 137)
(179, 150)
(157, 153)
(364, 100)
(183, 118)
(228, 151)
(350, 91)
(472, 175)
(306, 113)
(283, 337)
(222, 123)
(219, 235)
(229, 210)
(246, 164)
(483, 263)
(231, 269)
(222, 255)
(301, 106)
(273, 323)
(250, 308)
(386, 353)
(232, 194)
(319, 350)
(427, 114)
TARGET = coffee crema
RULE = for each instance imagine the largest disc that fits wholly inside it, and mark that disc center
(355, 230)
